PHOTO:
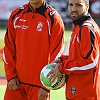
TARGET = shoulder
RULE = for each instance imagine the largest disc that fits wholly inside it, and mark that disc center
(22, 7)
(18, 10)
(91, 24)
(54, 14)
(52, 11)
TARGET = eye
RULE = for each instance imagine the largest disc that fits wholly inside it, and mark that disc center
(79, 5)
(70, 4)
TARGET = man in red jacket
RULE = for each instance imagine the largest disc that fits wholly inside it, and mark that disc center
(82, 64)
(98, 84)
(34, 38)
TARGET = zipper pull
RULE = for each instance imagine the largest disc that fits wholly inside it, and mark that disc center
(33, 16)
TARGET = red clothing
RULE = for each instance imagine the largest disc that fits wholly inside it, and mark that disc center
(33, 39)
(82, 62)
(22, 93)
(98, 80)
(98, 84)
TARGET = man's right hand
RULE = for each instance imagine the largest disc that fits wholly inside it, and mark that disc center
(13, 84)
(56, 61)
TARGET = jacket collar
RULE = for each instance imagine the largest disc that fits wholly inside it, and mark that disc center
(45, 5)
(82, 19)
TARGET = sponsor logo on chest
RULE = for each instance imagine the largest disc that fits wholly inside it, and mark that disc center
(22, 26)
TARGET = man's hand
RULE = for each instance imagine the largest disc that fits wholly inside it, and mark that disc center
(42, 94)
(13, 84)
(56, 61)
(55, 73)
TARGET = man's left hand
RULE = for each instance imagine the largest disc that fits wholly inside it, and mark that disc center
(42, 94)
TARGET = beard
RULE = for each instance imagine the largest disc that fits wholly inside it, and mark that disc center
(76, 17)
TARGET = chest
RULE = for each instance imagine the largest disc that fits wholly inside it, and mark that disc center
(31, 23)
(75, 50)
(31, 30)
(75, 36)
(32, 27)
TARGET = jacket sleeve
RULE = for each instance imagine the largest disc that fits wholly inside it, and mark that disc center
(88, 60)
(63, 57)
(56, 39)
(9, 51)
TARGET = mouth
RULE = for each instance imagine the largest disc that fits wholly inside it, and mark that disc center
(74, 14)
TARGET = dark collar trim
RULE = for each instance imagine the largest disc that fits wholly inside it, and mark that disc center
(37, 9)
(82, 19)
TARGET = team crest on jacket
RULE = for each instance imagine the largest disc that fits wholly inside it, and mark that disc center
(73, 90)
(39, 26)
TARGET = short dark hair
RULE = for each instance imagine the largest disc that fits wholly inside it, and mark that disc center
(86, 1)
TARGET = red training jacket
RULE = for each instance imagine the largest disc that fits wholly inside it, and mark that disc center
(82, 63)
(33, 39)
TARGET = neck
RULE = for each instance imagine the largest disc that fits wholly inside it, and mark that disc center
(37, 4)
(82, 19)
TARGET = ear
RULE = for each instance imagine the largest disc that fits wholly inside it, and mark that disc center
(87, 7)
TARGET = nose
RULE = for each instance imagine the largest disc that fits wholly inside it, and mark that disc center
(73, 8)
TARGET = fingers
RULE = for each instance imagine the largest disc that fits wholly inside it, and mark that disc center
(56, 61)
(52, 71)
(52, 77)
(13, 84)
(49, 74)
(12, 87)
(17, 83)
(55, 73)
(53, 64)
(42, 94)
(43, 97)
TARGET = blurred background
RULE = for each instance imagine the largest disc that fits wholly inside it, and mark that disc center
(6, 7)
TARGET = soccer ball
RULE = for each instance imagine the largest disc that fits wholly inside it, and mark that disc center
(45, 81)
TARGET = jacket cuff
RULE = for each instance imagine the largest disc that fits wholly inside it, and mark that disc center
(61, 68)
(11, 78)
(45, 89)
(63, 57)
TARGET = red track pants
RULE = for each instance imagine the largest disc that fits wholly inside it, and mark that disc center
(25, 92)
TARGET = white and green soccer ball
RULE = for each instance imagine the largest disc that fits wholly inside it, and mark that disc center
(45, 81)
